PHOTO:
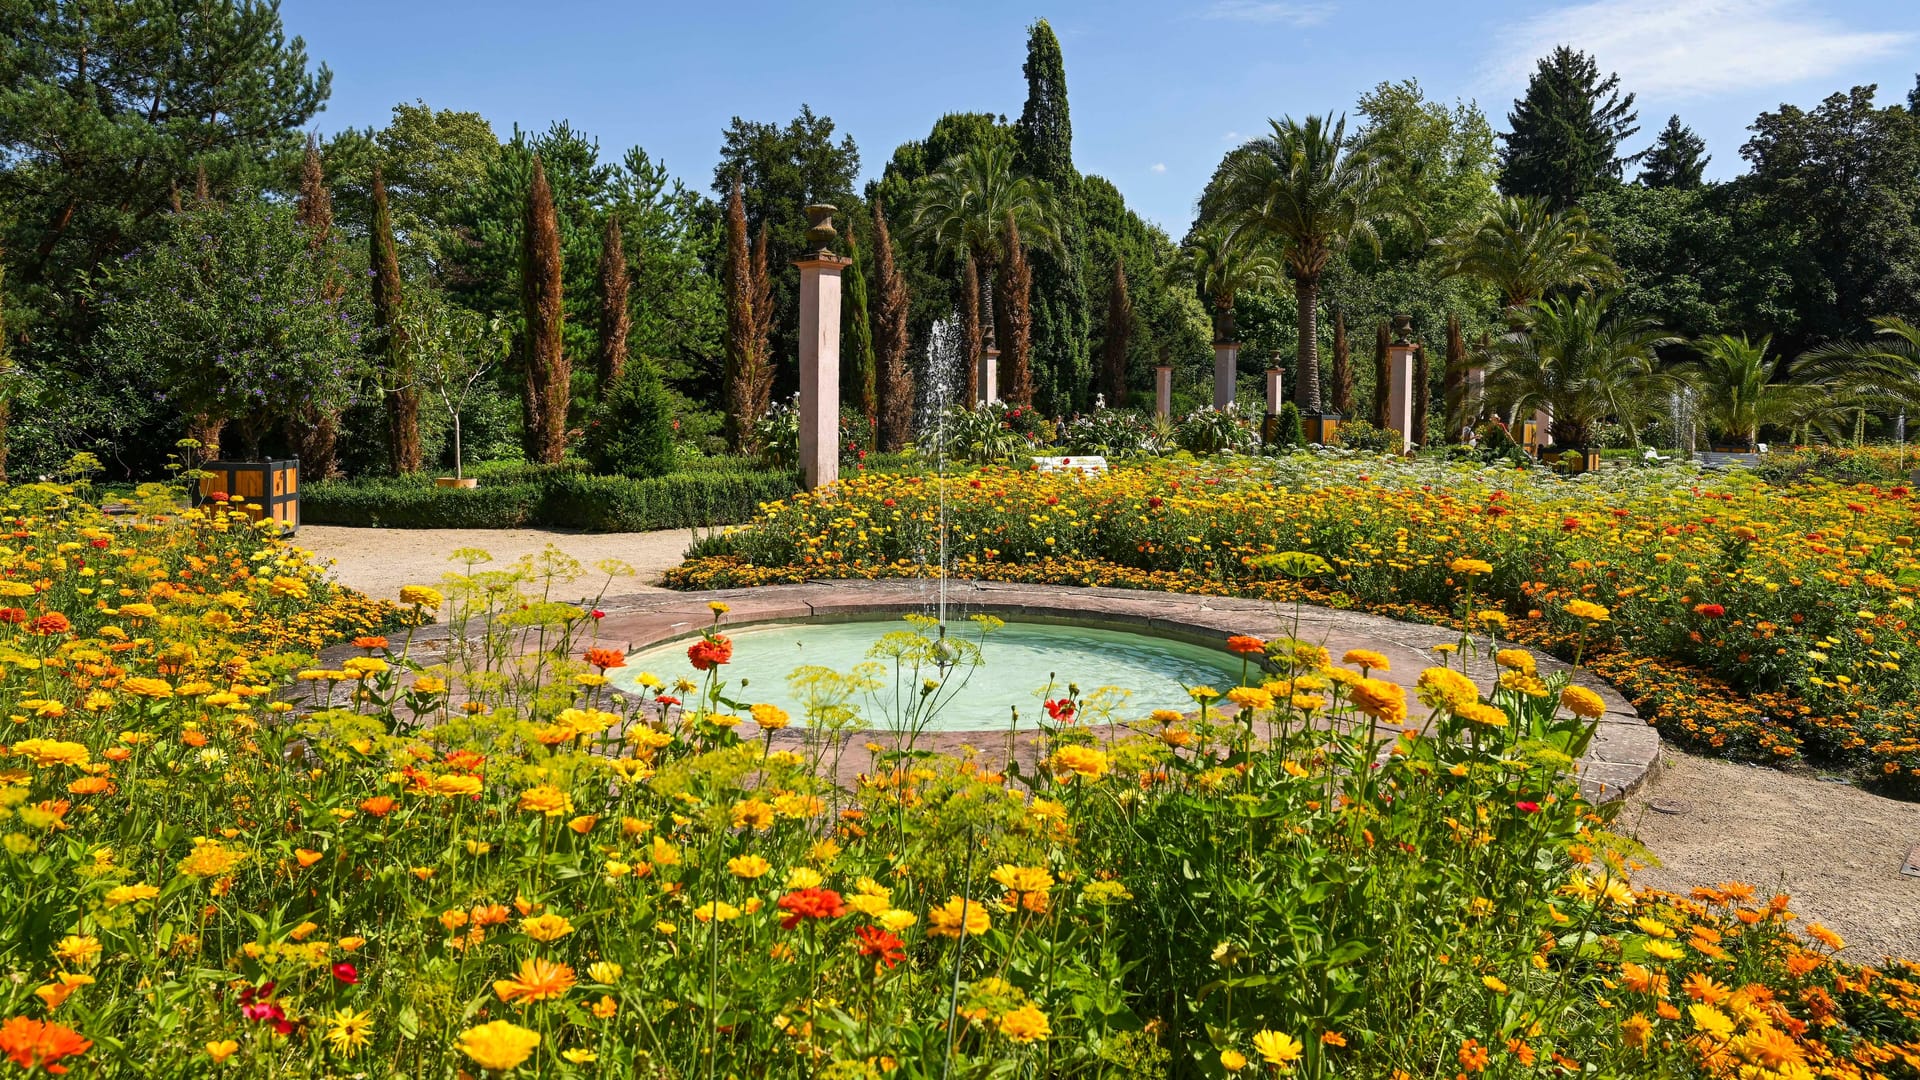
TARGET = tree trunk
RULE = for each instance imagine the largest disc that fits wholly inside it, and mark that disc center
(970, 379)
(1306, 374)
(893, 380)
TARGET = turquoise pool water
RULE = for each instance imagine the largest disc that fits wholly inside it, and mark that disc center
(1017, 663)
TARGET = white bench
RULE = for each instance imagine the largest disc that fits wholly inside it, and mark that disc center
(1091, 463)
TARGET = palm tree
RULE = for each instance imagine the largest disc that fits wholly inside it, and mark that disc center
(1883, 373)
(1526, 250)
(1303, 187)
(1584, 363)
(1741, 392)
(1222, 262)
(966, 209)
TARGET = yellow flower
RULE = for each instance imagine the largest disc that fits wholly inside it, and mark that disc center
(716, 911)
(1516, 659)
(78, 950)
(1662, 950)
(546, 799)
(605, 971)
(803, 877)
(348, 1030)
(1439, 687)
(1025, 1024)
(1583, 702)
(537, 980)
(1278, 1049)
(1366, 658)
(45, 752)
(1493, 983)
(1710, 1020)
(1079, 760)
(1470, 566)
(129, 894)
(546, 928)
(770, 717)
(222, 1049)
(1588, 610)
(958, 917)
(422, 596)
(1232, 1060)
(1482, 714)
(895, 919)
(748, 866)
(1250, 697)
(141, 686)
(498, 1045)
(1382, 700)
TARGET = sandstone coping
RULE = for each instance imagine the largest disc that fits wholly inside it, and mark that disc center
(1623, 754)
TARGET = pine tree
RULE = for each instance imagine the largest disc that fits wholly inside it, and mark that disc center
(739, 288)
(610, 359)
(549, 377)
(1060, 360)
(1381, 379)
(1422, 395)
(1342, 366)
(1566, 132)
(1454, 381)
(860, 380)
(1113, 350)
(1678, 158)
(894, 381)
(1016, 301)
(402, 390)
(313, 431)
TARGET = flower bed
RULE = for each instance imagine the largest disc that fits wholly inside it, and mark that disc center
(487, 865)
(1796, 600)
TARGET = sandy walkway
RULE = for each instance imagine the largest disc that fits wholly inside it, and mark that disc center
(379, 561)
(1835, 848)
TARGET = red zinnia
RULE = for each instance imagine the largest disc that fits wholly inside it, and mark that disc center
(709, 652)
(1711, 611)
(346, 973)
(879, 944)
(13, 615)
(40, 1044)
(810, 904)
(51, 623)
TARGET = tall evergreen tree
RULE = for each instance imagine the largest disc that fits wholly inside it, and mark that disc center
(1422, 395)
(893, 379)
(860, 382)
(1678, 158)
(1119, 331)
(313, 430)
(739, 279)
(1016, 313)
(549, 376)
(760, 374)
(1342, 366)
(1454, 381)
(970, 334)
(7, 387)
(396, 374)
(1044, 137)
(616, 319)
(1566, 132)
(315, 201)
(1382, 338)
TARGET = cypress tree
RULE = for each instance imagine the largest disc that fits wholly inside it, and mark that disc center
(315, 202)
(1454, 380)
(1044, 139)
(1566, 132)
(1113, 350)
(1422, 395)
(860, 371)
(893, 379)
(615, 318)
(6, 373)
(739, 288)
(1342, 366)
(1678, 158)
(970, 379)
(542, 284)
(758, 376)
(1381, 339)
(1016, 300)
(396, 359)
(314, 429)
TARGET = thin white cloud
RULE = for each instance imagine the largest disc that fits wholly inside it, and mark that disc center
(1159, 166)
(1691, 48)
(1233, 137)
(1269, 11)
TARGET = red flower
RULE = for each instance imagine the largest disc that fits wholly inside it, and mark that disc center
(1154, 502)
(13, 615)
(1527, 807)
(1571, 524)
(710, 652)
(51, 623)
(1246, 645)
(605, 659)
(346, 973)
(102, 542)
(667, 700)
(880, 945)
(1710, 611)
(1061, 709)
(810, 904)
(598, 614)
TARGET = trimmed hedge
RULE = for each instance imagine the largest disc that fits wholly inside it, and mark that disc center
(558, 497)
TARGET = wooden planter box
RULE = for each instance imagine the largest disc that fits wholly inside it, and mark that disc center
(266, 489)
(1320, 428)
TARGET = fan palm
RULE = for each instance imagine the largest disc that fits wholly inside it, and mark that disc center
(966, 208)
(1526, 250)
(1303, 187)
(1583, 362)
(1222, 263)
(1741, 392)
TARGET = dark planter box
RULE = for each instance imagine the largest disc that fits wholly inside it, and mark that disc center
(265, 489)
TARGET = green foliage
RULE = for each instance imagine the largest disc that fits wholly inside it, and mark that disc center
(1288, 432)
(1360, 435)
(555, 497)
(1585, 363)
(432, 161)
(631, 430)
(1566, 131)
(1680, 259)
(1062, 360)
(1678, 158)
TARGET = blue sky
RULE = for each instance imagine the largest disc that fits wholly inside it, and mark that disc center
(1158, 90)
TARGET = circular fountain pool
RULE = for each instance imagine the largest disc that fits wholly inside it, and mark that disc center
(1017, 665)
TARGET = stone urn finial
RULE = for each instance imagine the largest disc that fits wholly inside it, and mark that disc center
(1403, 329)
(820, 226)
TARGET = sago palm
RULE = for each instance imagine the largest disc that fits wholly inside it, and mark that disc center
(1526, 250)
(1304, 189)
(1222, 262)
(1741, 391)
(1585, 363)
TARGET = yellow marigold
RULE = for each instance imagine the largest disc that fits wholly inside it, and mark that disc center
(770, 717)
(142, 686)
(1583, 702)
(748, 866)
(546, 928)
(498, 1045)
(546, 799)
(1382, 700)
(130, 894)
(421, 596)
(1468, 566)
(1439, 687)
(1516, 659)
(1635, 1029)
(1023, 879)
(1588, 610)
(537, 980)
(716, 911)
(1366, 658)
(44, 752)
(1081, 761)
(1025, 1024)
(1250, 697)
(1278, 1049)
(957, 917)
(211, 859)
(1480, 713)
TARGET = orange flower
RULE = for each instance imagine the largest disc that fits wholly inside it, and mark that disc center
(537, 980)
(378, 805)
(1473, 1056)
(1246, 645)
(35, 1044)
(606, 659)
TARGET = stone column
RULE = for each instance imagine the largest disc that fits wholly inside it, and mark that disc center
(1163, 391)
(820, 271)
(1542, 429)
(1476, 394)
(1226, 371)
(1400, 381)
(1274, 398)
(989, 375)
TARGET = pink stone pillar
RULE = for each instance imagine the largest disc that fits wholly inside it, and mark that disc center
(1163, 391)
(1542, 430)
(1226, 371)
(1400, 392)
(989, 375)
(820, 272)
(1274, 398)
(1476, 394)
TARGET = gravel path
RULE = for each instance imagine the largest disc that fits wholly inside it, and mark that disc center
(1837, 849)
(379, 561)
